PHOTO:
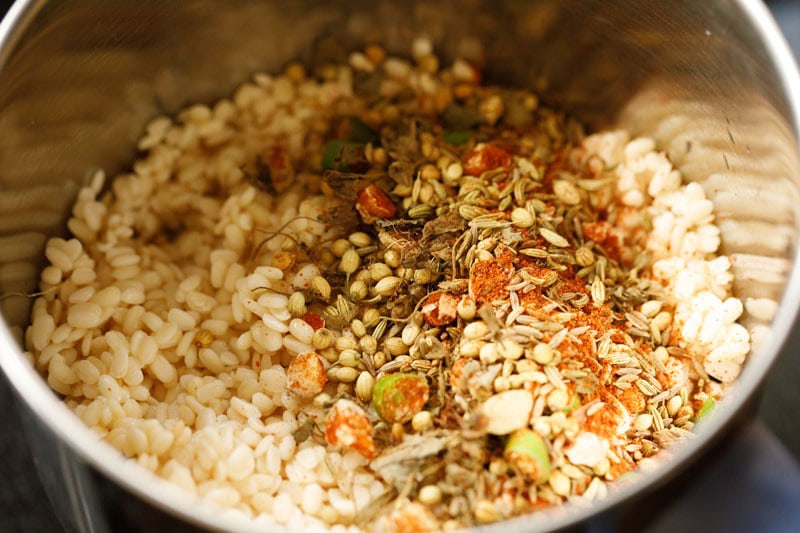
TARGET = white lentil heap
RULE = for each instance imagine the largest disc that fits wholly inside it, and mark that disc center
(218, 318)
(684, 241)
(166, 344)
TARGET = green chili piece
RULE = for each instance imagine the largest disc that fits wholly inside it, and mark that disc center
(398, 397)
(706, 408)
(527, 452)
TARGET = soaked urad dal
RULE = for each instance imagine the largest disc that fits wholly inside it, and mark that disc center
(382, 296)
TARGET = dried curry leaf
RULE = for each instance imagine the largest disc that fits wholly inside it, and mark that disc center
(343, 217)
(402, 172)
(447, 223)
(304, 431)
(262, 177)
(402, 140)
(397, 463)
(273, 172)
(345, 184)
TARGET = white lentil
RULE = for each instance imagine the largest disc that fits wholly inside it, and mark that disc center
(85, 315)
(302, 331)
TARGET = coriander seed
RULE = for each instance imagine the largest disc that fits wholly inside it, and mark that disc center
(358, 290)
(584, 256)
(322, 339)
(395, 346)
(350, 261)
(430, 495)
(364, 385)
(360, 239)
(379, 359)
(340, 246)
(297, 304)
(368, 344)
(344, 374)
(358, 328)
(350, 358)
(392, 258)
(346, 343)
(522, 218)
(321, 287)
(388, 285)
(378, 271)
(466, 308)
(410, 333)
(371, 317)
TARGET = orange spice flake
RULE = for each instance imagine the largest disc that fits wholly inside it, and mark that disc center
(306, 375)
(633, 400)
(488, 279)
(662, 378)
(457, 371)
(606, 420)
(607, 236)
(618, 469)
(440, 309)
(486, 158)
(581, 352)
(347, 425)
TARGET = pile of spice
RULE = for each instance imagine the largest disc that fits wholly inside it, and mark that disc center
(385, 296)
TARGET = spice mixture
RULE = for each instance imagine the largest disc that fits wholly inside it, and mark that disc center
(384, 296)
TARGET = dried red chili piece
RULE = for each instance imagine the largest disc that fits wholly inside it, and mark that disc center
(486, 158)
(373, 204)
(314, 320)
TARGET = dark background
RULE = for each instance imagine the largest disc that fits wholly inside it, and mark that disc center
(764, 471)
